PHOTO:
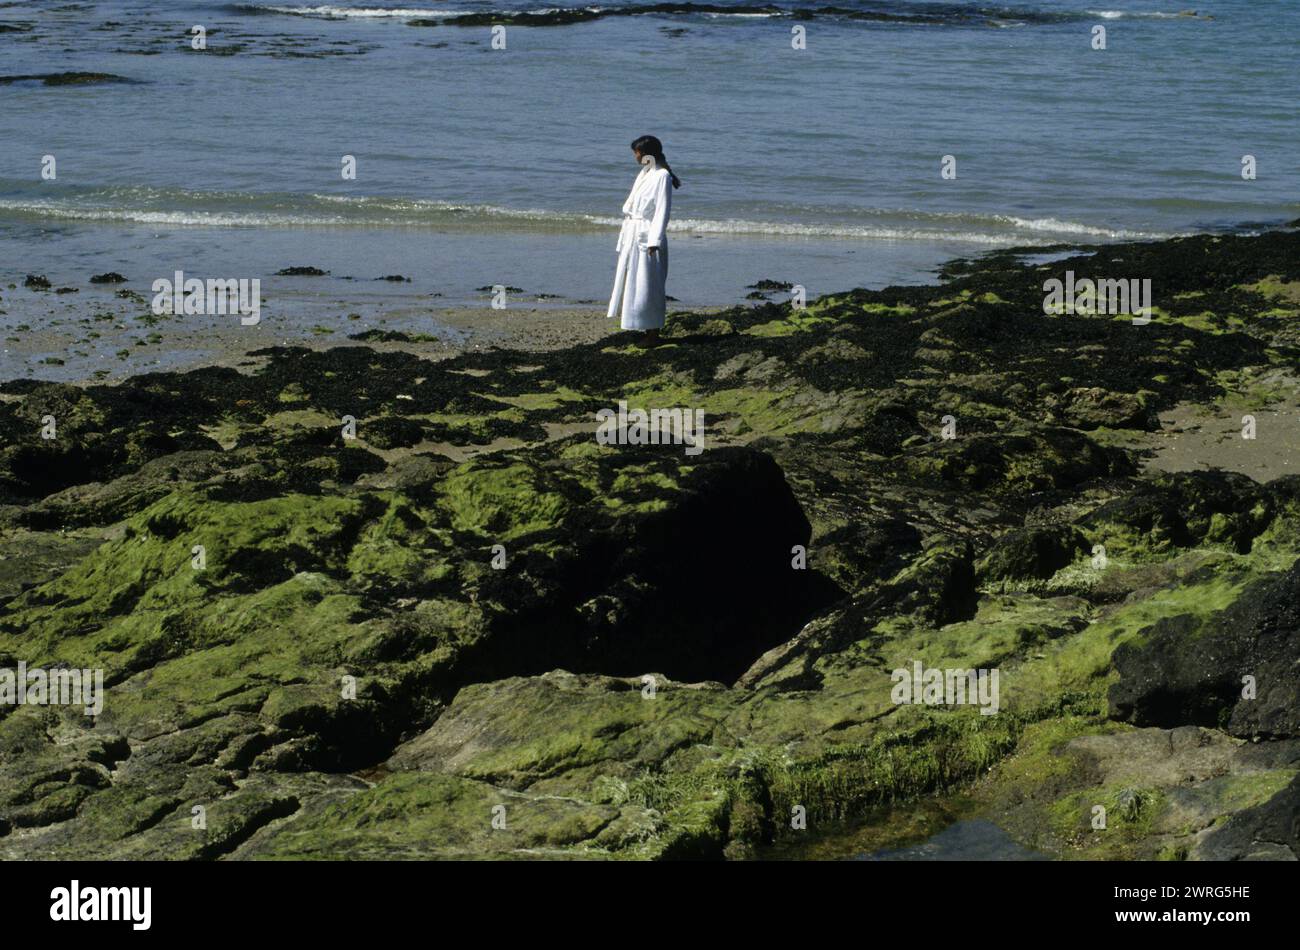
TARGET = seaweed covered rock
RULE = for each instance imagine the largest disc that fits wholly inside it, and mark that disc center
(1265, 832)
(363, 603)
(1234, 669)
(1036, 552)
(1183, 509)
(400, 594)
(1092, 408)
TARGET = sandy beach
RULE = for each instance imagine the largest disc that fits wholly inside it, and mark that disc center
(97, 334)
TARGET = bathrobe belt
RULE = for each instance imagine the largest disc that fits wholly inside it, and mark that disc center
(632, 223)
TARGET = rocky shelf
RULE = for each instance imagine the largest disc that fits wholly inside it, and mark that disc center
(461, 626)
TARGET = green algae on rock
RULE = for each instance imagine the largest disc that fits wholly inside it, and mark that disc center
(463, 628)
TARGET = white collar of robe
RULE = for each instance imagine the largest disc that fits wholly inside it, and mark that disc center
(648, 165)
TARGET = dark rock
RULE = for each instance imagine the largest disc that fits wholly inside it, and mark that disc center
(1036, 552)
(68, 79)
(1093, 408)
(1186, 508)
(392, 336)
(390, 432)
(857, 555)
(1267, 832)
(301, 272)
(1187, 669)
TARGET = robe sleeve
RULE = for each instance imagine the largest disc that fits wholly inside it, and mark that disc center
(663, 204)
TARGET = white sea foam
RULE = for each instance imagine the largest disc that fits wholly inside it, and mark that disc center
(149, 206)
(169, 218)
(361, 12)
(1057, 226)
(1122, 14)
(402, 13)
(330, 11)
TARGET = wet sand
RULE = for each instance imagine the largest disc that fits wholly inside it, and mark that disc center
(106, 334)
(1197, 439)
(1200, 437)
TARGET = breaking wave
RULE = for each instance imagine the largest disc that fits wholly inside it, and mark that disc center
(950, 14)
(183, 208)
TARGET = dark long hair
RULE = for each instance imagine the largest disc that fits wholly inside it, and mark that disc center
(649, 145)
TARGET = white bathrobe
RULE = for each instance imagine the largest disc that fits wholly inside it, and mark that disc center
(639, 279)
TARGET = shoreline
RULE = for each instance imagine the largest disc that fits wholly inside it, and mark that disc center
(87, 332)
(87, 335)
(1190, 437)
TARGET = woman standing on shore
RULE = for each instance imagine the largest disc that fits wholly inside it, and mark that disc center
(642, 270)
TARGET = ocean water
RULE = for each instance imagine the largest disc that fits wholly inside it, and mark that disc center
(479, 166)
